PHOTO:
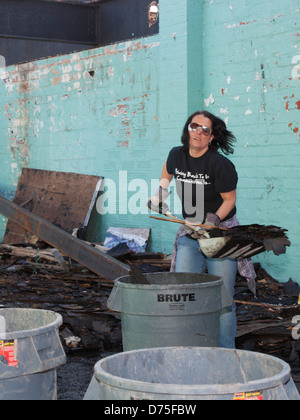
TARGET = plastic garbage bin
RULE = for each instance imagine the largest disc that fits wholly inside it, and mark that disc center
(194, 373)
(30, 352)
(174, 309)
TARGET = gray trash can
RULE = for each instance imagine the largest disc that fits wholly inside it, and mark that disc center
(194, 373)
(175, 309)
(30, 352)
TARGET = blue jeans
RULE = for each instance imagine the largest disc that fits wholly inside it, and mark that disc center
(190, 260)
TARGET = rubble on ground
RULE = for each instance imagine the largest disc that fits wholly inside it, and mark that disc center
(35, 278)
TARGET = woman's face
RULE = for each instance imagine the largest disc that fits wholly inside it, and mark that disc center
(200, 138)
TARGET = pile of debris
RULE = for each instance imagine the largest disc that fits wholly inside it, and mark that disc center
(44, 279)
(36, 278)
(266, 323)
(75, 279)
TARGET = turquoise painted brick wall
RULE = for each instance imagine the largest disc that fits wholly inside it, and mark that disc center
(116, 111)
(95, 112)
(252, 78)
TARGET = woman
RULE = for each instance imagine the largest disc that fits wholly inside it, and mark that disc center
(206, 183)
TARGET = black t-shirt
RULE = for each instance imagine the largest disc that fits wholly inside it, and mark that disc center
(199, 181)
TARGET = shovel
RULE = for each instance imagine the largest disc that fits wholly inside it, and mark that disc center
(163, 209)
(239, 242)
(210, 246)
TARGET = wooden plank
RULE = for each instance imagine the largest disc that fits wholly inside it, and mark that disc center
(62, 198)
(253, 326)
(27, 252)
(266, 305)
(80, 251)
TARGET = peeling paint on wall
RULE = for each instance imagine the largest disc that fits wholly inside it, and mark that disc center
(291, 103)
(296, 69)
(209, 101)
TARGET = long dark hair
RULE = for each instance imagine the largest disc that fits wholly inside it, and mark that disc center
(223, 139)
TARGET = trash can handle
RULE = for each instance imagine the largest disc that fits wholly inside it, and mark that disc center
(114, 302)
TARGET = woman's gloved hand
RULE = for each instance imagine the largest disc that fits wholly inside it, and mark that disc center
(156, 200)
(210, 220)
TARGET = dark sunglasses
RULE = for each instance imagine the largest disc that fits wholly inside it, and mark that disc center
(206, 131)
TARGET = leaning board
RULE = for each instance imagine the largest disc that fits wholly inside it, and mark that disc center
(62, 198)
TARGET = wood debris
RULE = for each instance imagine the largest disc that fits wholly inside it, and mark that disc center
(34, 278)
(63, 199)
(265, 324)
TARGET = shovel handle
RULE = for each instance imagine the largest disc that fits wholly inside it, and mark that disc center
(191, 226)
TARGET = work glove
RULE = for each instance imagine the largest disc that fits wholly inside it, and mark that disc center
(156, 201)
(203, 233)
(212, 220)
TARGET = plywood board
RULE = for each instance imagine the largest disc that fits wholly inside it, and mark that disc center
(62, 198)
(80, 251)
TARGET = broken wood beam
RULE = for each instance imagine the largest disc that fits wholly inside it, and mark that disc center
(86, 255)
(27, 252)
(266, 305)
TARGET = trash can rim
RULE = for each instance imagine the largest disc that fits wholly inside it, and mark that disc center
(193, 285)
(57, 322)
(202, 389)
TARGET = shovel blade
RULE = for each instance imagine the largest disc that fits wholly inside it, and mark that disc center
(211, 247)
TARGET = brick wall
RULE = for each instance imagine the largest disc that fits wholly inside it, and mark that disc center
(116, 111)
(94, 112)
(251, 71)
